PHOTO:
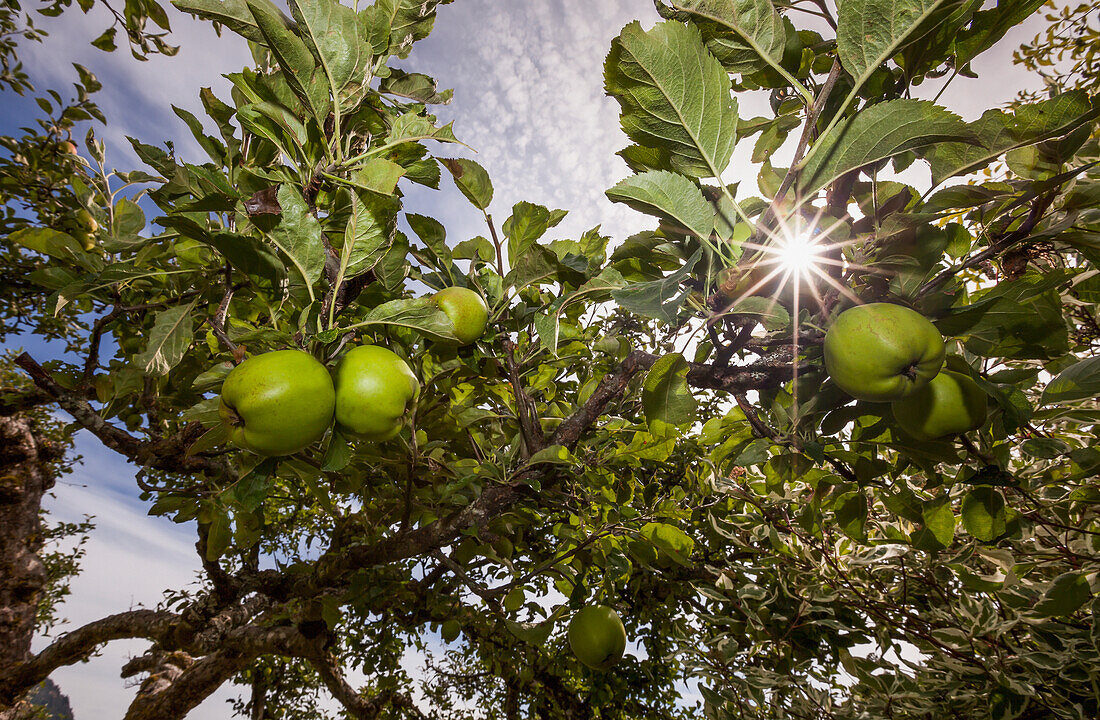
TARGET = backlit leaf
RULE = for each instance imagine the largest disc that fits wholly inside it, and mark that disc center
(667, 195)
(675, 96)
(666, 397)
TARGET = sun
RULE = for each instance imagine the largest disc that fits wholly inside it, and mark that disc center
(798, 253)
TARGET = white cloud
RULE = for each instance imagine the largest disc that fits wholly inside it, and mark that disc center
(528, 81)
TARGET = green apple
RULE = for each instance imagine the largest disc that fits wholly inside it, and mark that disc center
(277, 403)
(467, 311)
(882, 352)
(86, 221)
(597, 637)
(951, 403)
(374, 390)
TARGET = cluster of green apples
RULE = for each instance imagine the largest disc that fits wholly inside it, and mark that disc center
(881, 352)
(281, 402)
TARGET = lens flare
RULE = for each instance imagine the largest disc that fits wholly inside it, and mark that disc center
(799, 253)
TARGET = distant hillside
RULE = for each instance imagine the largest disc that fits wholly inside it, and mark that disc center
(48, 697)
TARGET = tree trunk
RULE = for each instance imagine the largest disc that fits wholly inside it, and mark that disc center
(25, 476)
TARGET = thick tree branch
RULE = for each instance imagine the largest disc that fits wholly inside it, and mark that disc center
(168, 454)
(175, 699)
(80, 644)
(611, 387)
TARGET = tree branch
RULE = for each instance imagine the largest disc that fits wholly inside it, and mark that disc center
(998, 246)
(168, 454)
(358, 706)
(529, 426)
(79, 644)
(768, 372)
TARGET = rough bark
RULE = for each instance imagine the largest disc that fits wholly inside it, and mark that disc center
(25, 476)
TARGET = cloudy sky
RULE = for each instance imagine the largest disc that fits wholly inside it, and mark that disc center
(527, 76)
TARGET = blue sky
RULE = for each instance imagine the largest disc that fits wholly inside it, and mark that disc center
(527, 76)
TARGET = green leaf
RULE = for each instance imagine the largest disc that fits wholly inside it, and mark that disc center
(433, 234)
(988, 26)
(1000, 132)
(527, 223)
(472, 181)
(870, 32)
(547, 326)
(1079, 381)
(250, 256)
(1021, 318)
(658, 299)
(670, 541)
(536, 266)
(745, 35)
(411, 127)
(333, 31)
(1065, 595)
(553, 455)
(48, 242)
(218, 535)
(876, 133)
(939, 520)
(420, 314)
(169, 339)
(513, 601)
(476, 247)
(667, 195)
(415, 86)
(233, 14)
(214, 149)
(534, 633)
(406, 21)
(773, 316)
(300, 68)
(298, 235)
(337, 454)
(378, 175)
(369, 232)
(983, 513)
(675, 96)
(851, 514)
(275, 123)
(106, 40)
(666, 397)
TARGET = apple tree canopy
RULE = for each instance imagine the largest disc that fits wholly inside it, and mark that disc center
(646, 423)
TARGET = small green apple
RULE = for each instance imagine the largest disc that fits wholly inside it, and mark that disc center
(374, 390)
(277, 403)
(467, 311)
(597, 636)
(882, 352)
(951, 403)
(86, 221)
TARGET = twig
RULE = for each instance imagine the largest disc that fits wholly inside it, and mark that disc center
(996, 247)
(530, 428)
